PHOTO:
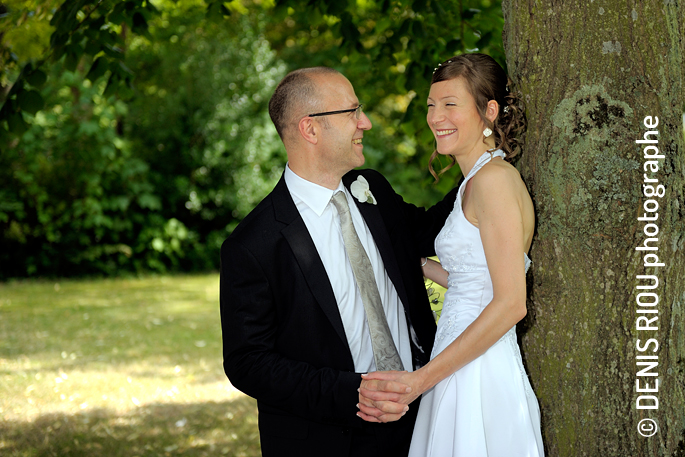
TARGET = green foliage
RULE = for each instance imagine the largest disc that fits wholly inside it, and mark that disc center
(200, 119)
(71, 187)
(93, 29)
(24, 36)
(97, 185)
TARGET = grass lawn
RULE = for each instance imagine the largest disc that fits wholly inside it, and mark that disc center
(119, 367)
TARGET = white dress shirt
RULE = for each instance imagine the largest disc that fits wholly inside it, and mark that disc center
(323, 223)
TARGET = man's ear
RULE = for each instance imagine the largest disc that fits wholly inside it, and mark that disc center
(309, 130)
(492, 110)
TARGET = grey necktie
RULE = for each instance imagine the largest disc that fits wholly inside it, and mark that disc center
(384, 351)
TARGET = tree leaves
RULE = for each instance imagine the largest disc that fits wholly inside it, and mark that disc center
(139, 23)
(16, 123)
(469, 13)
(82, 28)
(97, 69)
(117, 15)
(216, 10)
(348, 30)
(195, 144)
(71, 60)
(21, 99)
(30, 101)
(336, 8)
(37, 78)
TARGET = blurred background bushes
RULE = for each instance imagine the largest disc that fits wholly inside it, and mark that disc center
(99, 185)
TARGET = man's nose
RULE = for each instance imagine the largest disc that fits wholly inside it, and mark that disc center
(364, 123)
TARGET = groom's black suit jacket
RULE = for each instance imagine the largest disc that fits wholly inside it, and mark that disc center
(283, 338)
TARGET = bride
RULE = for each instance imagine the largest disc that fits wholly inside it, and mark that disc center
(477, 400)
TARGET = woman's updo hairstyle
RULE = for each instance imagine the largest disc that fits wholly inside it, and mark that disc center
(485, 81)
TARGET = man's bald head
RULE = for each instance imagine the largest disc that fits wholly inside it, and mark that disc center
(296, 95)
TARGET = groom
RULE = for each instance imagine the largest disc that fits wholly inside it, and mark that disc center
(296, 328)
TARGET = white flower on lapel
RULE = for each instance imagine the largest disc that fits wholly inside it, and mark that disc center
(360, 191)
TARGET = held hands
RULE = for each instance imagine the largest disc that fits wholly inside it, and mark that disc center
(384, 396)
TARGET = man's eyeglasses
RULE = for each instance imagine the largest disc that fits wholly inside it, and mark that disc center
(357, 112)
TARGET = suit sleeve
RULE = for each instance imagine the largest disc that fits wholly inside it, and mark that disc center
(249, 324)
(423, 225)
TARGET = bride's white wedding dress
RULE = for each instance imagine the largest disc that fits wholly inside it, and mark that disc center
(487, 408)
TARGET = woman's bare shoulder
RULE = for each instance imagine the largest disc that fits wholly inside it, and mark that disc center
(497, 175)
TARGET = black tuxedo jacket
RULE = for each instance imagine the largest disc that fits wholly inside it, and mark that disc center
(283, 338)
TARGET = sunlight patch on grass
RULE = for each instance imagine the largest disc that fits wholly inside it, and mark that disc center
(120, 389)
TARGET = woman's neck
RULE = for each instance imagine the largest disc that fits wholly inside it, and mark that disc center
(468, 160)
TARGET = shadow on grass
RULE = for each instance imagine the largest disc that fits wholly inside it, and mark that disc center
(196, 429)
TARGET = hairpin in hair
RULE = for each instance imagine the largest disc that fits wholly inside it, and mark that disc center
(440, 65)
(506, 109)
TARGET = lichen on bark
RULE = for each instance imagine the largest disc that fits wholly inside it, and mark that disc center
(590, 175)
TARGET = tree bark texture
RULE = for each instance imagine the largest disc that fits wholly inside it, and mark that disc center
(589, 72)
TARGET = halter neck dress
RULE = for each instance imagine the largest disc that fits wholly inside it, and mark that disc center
(486, 408)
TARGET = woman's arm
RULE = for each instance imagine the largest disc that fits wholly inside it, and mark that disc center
(434, 271)
(500, 221)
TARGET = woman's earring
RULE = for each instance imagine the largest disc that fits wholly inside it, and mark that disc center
(487, 132)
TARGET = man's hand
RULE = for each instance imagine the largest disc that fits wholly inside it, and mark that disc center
(385, 396)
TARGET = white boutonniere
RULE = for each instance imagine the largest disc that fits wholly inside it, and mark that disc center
(360, 191)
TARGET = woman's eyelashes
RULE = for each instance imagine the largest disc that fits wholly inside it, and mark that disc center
(432, 105)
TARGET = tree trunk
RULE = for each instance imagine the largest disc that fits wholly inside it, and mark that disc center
(590, 72)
